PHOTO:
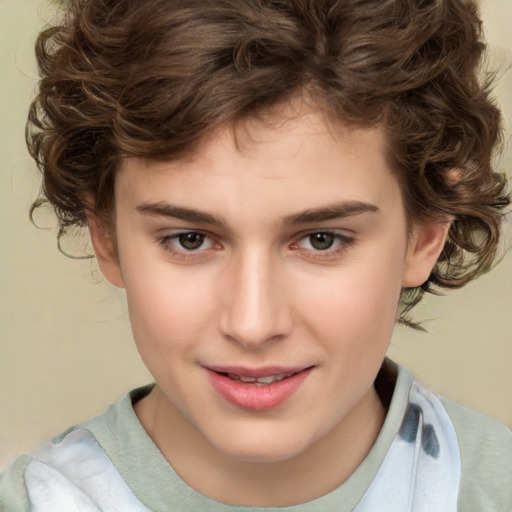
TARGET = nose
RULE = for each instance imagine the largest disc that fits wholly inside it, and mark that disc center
(255, 309)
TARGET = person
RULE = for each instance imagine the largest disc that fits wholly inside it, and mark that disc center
(274, 183)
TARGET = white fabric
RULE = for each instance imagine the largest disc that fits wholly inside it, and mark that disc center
(411, 478)
(420, 473)
(76, 475)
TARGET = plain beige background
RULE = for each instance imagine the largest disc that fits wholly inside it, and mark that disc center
(66, 347)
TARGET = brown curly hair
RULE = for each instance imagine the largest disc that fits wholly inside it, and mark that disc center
(123, 78)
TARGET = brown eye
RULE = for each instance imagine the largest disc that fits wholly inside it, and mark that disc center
(321, 241)
(191, 241)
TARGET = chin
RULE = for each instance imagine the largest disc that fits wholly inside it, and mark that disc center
(269, 448)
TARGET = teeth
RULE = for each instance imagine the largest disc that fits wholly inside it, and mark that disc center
(247, 379)
(268, 380)
(259, 380)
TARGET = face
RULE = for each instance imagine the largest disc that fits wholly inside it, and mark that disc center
(277, 256)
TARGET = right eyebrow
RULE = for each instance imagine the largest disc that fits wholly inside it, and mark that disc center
(162, 209)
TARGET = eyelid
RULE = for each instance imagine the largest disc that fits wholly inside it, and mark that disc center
(167, 239)
(345, 242)
(326, 231)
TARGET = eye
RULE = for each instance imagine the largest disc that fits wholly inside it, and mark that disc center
(191, 241)
(323, 246)
(323, 241)
(187, 241)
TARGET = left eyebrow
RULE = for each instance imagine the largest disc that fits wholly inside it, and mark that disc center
(330, 212)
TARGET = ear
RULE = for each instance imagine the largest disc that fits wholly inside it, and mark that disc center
(425, 246)
(105, 250)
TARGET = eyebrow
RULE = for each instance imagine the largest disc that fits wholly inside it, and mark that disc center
(324, 213)
(161, 209)
(331, 212)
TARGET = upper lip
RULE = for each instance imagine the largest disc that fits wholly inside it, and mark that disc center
(266, 371)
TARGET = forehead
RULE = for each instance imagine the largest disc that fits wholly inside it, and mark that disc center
(301, 157)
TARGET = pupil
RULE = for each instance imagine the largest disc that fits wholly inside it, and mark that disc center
(191, 241)
(321, 241)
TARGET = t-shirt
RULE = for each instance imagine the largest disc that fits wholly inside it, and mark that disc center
(430, 455)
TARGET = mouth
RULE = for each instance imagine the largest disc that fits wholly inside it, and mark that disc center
(257, 390)
(258, 381)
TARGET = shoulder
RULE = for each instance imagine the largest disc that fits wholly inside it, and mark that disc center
(73, 471)
(49, 477)
(486, 460)
(483, 446)
(13, 492)
(73, 468)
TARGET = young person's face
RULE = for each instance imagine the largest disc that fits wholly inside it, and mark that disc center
(283, 252)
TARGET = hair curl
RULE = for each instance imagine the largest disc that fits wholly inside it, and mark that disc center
(123, 78)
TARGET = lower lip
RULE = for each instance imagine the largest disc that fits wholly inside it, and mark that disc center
(256, 397)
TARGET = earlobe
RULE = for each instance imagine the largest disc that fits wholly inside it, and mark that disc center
(425, 246)
(104, 248)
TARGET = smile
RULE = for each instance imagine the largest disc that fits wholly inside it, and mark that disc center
(257, 390)
(260, 380)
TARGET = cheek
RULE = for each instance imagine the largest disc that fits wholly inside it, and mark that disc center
(168, 310)
(357, 302)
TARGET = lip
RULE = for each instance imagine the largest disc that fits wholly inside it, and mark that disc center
(256, 397)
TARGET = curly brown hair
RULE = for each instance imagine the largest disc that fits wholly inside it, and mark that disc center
(123, 78)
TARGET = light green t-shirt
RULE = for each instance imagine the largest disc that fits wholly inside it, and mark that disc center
(485, 460)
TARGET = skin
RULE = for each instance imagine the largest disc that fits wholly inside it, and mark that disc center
(258, 292)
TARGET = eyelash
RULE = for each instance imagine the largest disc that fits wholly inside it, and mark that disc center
(344, 242)
(167, 243)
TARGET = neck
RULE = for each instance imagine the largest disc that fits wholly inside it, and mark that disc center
(313, 473)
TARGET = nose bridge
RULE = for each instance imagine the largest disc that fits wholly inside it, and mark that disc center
(255, 308)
